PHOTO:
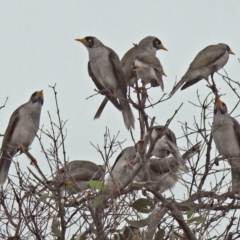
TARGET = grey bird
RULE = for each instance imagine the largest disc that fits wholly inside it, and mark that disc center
(21, 131)
(105, 69)
(122, 168)
(77, 173)
(165, 172)
(206, 63)
(150, 45)
(162, 171)
(163, 141)
(226, 135)
(149, 69)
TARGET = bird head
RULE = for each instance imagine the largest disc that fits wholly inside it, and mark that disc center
(220, 107)
(229, 50)
(90, 42)
(152, 42)
(37, 97)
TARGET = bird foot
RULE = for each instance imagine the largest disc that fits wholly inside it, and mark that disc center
(23, 149)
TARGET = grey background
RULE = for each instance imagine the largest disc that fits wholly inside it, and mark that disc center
(37, 49)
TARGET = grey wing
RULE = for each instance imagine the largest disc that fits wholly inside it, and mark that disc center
(161, 166)
(118, 71)
(127, 60)
(207, 56)
(171, 136)
(236, 127)
(95, 80)
(13, 122)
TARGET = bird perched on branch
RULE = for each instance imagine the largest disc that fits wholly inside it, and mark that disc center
(206, 63)
(226, 135)
(164, 142)
(77, 173)
(105, 69)
(149, 69)
(165, 171)
(149, 46)
(122, 168)
(21, 131)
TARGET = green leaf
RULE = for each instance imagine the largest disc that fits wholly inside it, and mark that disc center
(160, 234)
(55, 228)
(141, 223)
(97, 200)
(143, 205)
(196, 220)
(43, 197)
(97, 185)
(190, 213)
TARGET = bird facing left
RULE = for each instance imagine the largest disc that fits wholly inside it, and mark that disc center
(105, 69)
(21, 131)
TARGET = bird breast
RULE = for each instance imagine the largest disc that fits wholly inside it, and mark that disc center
(224, 136)
(27, 126)
(102, 68)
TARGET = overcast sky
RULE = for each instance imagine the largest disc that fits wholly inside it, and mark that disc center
(37, 49)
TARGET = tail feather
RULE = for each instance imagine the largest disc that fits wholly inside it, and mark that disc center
(103, 104)
(178, 85)
(128, 116)
(5, 163)
(192, 151)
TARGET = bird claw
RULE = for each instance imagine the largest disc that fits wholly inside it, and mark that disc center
(23, 149)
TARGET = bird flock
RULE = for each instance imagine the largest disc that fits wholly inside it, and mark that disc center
(112, 78)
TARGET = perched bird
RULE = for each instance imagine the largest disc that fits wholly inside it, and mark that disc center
(166, 171)
(149, 45)
(206, 63)
(21, 131)
(226, 135)
(163, 171)
(77, 174)
(105, 69)
(122, 168)
(164, 142)
(149, 69)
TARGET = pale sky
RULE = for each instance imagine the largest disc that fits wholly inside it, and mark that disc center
(38, 49)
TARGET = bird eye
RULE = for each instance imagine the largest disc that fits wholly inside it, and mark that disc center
(89, 40)
(157, 42)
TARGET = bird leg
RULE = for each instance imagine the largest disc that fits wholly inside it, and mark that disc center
(23, 149)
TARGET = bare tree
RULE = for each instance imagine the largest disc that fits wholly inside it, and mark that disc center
(35, 206)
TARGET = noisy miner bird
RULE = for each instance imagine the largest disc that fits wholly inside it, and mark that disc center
(206, 63)
(122, 168)
(163, 141)
(226, 135)
(21, 131)
(77, 173)
(149, 69)
(166, 171)
(105, 69)
(149, 45)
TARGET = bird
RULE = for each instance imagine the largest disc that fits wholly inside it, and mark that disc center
(165, 171)
(21, 131)
(206, 63)
(105, 69)
(122, 168)
(149, 69)
(163, 143)
(226, 135)
(161, 170)
(77, 173)
(149, 45)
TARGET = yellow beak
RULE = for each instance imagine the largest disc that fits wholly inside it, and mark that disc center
(79, 39)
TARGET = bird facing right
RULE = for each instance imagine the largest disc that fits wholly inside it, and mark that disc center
(21, 131)
(148, 45)
(206, 63)
(79, 172)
